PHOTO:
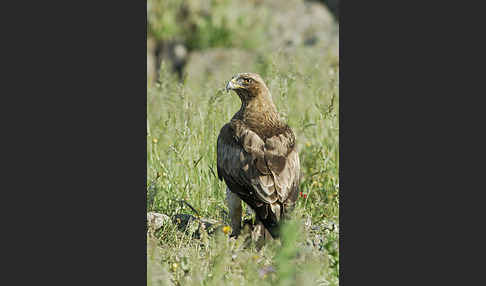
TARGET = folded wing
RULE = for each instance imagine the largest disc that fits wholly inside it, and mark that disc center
(264, 173)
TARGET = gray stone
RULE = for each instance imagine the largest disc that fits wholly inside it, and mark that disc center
(156, 220)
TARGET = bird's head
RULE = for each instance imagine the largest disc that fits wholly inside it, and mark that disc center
(248, 86)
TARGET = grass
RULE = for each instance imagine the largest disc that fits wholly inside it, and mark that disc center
(184, 120)
(228, 24)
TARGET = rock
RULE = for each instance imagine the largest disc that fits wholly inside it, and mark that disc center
(156, 220)
(333, 6)
(257, 28)
(294, 23)
(217, 64)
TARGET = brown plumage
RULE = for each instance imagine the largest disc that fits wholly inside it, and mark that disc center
(257, 157)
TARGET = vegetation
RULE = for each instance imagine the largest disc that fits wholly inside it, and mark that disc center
(204, 24)
(183, 122)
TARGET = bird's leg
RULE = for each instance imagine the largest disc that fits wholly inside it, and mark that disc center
(259, 234)
(234, 206)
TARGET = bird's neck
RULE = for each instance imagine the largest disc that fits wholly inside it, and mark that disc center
(259, 113)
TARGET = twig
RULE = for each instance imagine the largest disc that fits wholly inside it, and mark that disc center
(212, 171)
(151, 192)
(191, 207)
(197, 162)
(330, 107)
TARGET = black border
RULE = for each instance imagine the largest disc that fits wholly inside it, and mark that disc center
(410, 143)
(75, 83)
(76, 141)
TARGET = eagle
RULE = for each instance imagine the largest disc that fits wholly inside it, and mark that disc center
(257, 158)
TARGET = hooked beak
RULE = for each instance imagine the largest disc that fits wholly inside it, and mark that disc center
(232, 85)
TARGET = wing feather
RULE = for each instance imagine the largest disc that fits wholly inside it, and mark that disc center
(270, 169)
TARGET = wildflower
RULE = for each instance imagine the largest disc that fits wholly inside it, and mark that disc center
(300, 194)
(308, 144)
(267, 269)
(226, 229)
(155, 140)
(305, 196)
(174, 266)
